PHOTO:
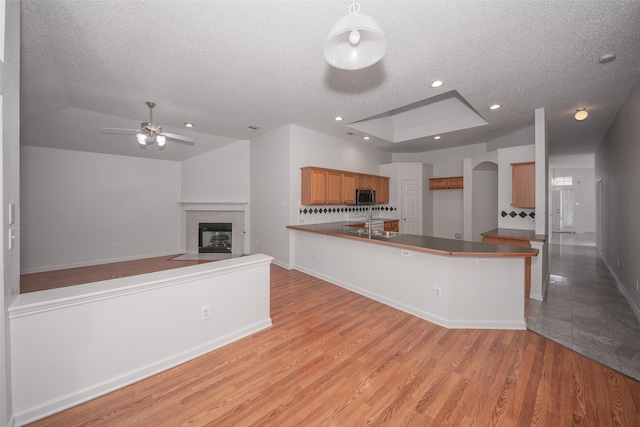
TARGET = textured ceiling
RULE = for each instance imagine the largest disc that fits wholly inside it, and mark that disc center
(226, 65)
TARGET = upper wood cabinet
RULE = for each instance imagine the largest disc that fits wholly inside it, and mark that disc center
(322, 186)
(366, 182)
(523, 185)
(334, 187)
(381, 185)
(349, 185)
(446, 183)
(314, 186)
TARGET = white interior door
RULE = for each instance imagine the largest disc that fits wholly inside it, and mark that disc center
(599, 228)
(556, 209)
(567, 208)
(410, 207)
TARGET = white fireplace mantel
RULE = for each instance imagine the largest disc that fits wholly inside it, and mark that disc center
(214, 206)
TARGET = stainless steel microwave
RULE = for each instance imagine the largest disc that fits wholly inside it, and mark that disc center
(365, 197)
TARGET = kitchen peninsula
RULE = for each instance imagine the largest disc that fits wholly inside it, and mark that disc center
(453, 283)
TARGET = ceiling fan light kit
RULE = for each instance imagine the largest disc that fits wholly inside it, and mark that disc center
(151, 133)
(356, 41)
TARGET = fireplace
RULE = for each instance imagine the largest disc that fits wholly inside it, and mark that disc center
(214, 237)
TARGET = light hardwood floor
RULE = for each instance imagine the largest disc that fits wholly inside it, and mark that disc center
(33, 282)
(335, 358)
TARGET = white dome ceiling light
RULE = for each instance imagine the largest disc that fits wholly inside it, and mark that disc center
(354, 42)
(581, 114)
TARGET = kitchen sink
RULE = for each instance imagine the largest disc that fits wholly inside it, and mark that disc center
(387, 234)
(378, 233)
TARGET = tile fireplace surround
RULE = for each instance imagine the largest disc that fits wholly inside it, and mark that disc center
(196, 213)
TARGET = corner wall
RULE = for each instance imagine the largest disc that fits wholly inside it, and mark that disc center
(10, 184)
(83, 208)
(617, 160)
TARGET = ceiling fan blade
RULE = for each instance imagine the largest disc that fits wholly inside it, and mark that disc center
(179, 138)
(119, 130)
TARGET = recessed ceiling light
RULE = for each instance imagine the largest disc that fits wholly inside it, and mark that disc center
(494, 107)
(608, 57)
(437, 83)
(188, 124)
(581, 114)
(436, 137)
(367, 137)
(338, 119)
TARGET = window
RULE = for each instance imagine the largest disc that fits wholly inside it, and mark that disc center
(561, 180)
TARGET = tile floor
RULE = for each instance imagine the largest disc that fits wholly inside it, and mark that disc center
(583, 308)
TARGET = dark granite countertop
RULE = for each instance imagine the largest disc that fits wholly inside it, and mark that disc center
(428, 244)
(512, 233)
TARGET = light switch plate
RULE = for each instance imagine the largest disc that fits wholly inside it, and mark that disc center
(12, 237)
(12, 213)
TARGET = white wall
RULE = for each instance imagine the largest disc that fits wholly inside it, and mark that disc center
(617, 160)
(488, 294)
(219, 175)
(589, 200)
(76, 205)
(72, 344)
(311, 148)
(485, 200)
(524, 136)
(270, 193)
(448, 206)
(9, 182)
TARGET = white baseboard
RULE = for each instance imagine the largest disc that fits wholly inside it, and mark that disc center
(545, 284)
(72, 399)
(623, 290)
(450, 324)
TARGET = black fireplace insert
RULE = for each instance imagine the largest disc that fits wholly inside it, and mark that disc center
(214, 237)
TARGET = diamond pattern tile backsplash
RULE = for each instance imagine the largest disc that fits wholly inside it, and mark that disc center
(320, 214)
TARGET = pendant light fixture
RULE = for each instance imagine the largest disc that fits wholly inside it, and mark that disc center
(356, 41)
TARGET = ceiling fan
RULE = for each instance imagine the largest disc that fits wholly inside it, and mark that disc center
(151, 133)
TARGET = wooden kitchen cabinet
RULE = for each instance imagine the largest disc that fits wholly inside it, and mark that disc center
(314, 186)
(523, 185)
(381, 186)
(334, 187)
(322, 186)
(349, 185)
(366, 182)
(446, 183)
(392, 225)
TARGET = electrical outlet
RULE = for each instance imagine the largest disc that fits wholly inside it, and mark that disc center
(406, 253)
(114, 245)
(437, 292)
(481, 261)
(205, 312)
(458, 235)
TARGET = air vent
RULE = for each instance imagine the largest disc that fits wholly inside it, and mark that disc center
(253, 128)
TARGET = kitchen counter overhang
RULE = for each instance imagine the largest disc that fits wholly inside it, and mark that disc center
(434, 245)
